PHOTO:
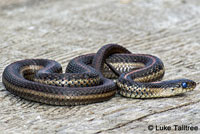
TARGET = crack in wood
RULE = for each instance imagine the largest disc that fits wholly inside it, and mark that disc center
(147, 115)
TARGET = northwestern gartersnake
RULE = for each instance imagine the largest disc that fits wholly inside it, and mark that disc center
(88, 78)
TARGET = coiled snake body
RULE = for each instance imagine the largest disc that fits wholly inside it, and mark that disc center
(88, 78)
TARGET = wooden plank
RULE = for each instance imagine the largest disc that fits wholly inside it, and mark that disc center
(62, 30)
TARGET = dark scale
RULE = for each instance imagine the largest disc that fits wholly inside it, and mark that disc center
(136, 93)
(141, 93)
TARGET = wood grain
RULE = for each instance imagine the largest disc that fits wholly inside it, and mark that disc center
(61, 30)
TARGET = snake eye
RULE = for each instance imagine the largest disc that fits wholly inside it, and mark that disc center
(184, 84)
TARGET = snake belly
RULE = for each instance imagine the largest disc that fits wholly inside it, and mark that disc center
(88, 78)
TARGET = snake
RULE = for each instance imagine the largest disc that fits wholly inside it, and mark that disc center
(92, 78)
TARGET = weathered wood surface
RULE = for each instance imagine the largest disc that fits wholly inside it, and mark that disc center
(61, 30)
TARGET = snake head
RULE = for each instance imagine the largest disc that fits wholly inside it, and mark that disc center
(176, 87)
(187, 84)
(181, 86)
